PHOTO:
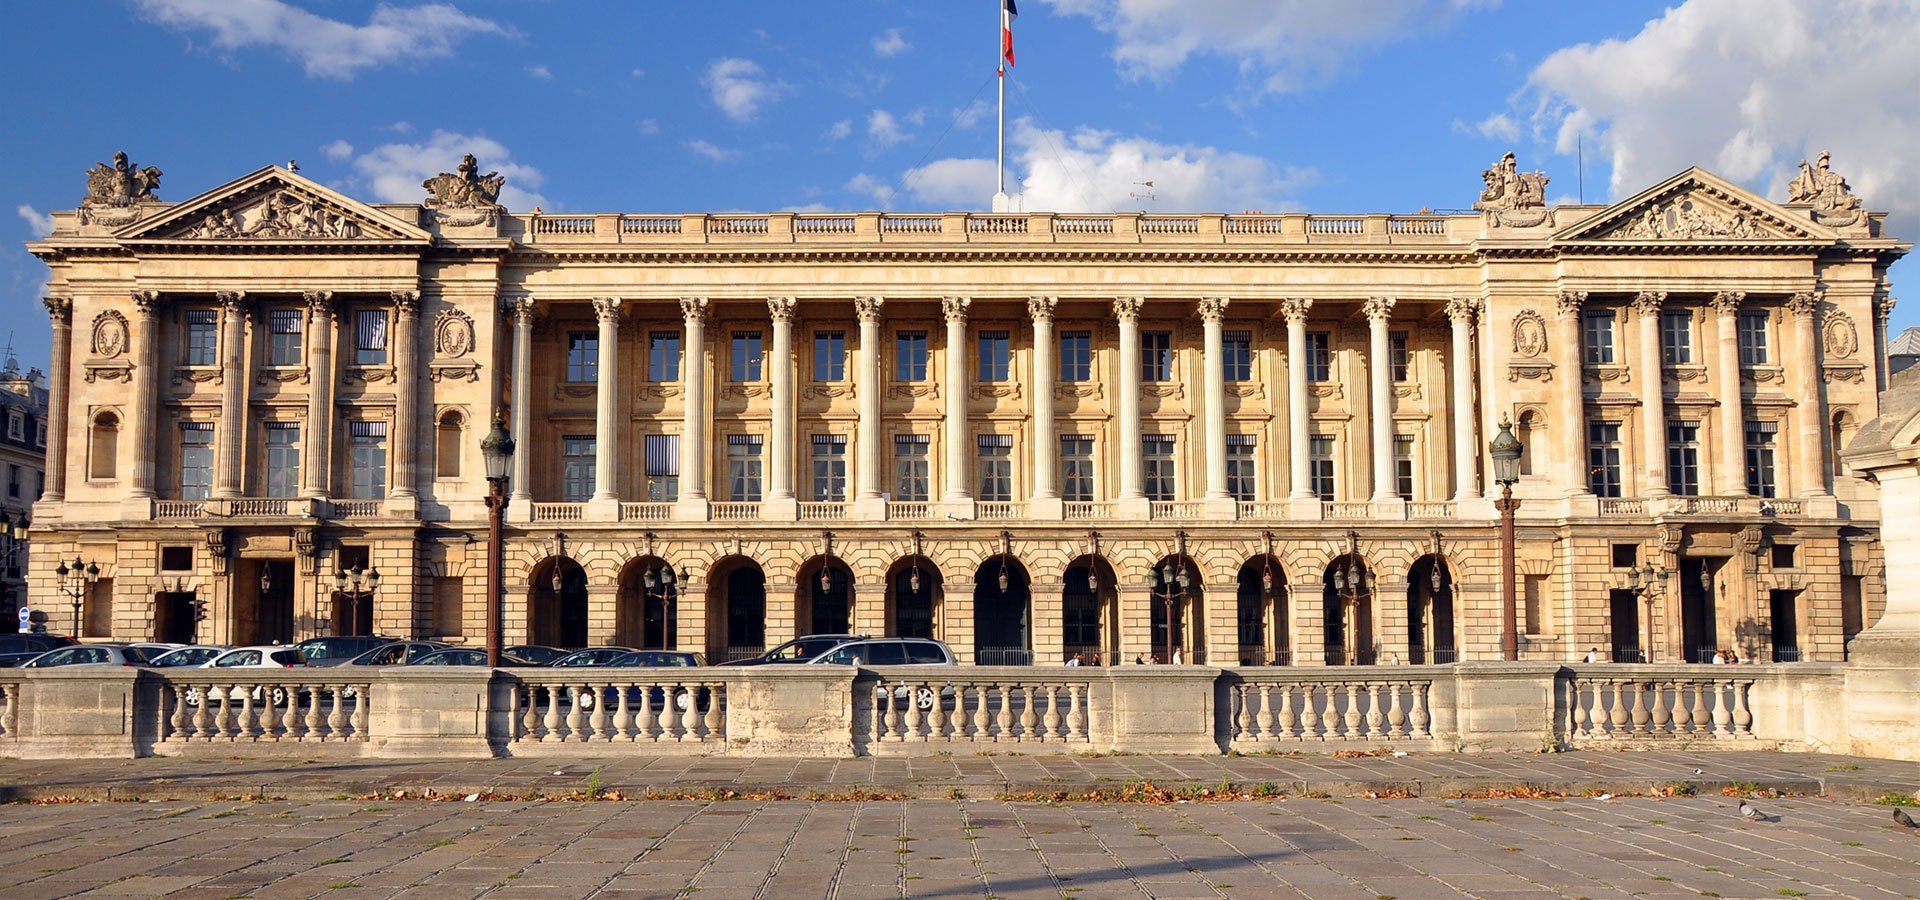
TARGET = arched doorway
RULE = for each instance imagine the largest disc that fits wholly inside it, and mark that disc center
(1179, 628)
(1261, 611)
(914, 592)
(1002, 633)
(1430, 632)
(1090, 612)
(646, 609)
(1347, 612)
(736, 610)
(557, 611)
(825, 597)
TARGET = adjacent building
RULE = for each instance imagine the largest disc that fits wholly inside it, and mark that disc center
(23, 450)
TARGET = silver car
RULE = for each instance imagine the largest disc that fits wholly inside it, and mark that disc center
(89, 655)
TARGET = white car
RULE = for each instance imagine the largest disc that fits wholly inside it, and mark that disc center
(895, 652)
(266, 656)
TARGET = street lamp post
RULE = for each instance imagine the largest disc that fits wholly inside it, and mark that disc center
(76, 581)
(1505, 450)
(496, 450)
(663, 584)
(1351, 582)
(1170, 583)
(356, 584)
(1647, 581)
(11, 535)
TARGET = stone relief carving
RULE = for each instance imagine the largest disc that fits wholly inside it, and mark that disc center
(1076, 389)
(736, 390)
(452, 333)
(1832, 199)
(283, 214)
(1687, 217)
(109, 335)
(913, 391)
(1006, 389)
(112, 191)
(1171, 390)
(464, 196)
(1529, 334)
(1841, 339)
(1853, 374)
(1513, 198)
(828, 391)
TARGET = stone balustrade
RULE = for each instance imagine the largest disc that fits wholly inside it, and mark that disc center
(1269, 708)
(242, 706)
(997, 705)
(1650, 702)
(616, 706)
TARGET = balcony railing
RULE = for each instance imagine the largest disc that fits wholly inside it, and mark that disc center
(356, 509)
(735, 511)
(178, 509)
(1176, 509)
(253, 506)
(1709, 506)
(646, 512)
(1349, 509)
(909, 509)
(1608, 703)
(1614, 507)
(821, 511)
(1079, 510)
(1273, 707)
(1263, 509)
(1432, 509)
(559, 512)
(998, 510)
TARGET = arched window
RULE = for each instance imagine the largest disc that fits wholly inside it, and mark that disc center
(447, 443)
(103, 450)
(1530, 433)
(1838, 435)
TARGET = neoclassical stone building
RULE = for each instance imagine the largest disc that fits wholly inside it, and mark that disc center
(1005, 431)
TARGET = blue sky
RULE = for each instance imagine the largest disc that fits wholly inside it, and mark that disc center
(1358, 105)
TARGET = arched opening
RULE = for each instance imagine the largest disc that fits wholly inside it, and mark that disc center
(557, 607)
(1179, 629)
(1347, 613)
(1430, 631)
(1002, 635)
(1839, 432)
(447, 443)
(103, 447)
(914, 594)
(646, 611)
(1261, 608)
(825, 597)
(736, 610)
(1530, 431)
(1090, 612)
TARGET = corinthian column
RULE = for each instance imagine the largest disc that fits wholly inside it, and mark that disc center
(1297, 416)
(60, 311)
(1127, 310)
(522, 500)
(780, 371)
(955, 437)
(406, 406)
(866, 460)
(1213, 312)
(1570, 403)
(1380, 395)
(606, 440)
(319, 456)
(1046, 444)
(1731, 437)
(1810, 468)
(693, 425)
(233, 385)
(1653, 395)
(1461, 312)
(146, 390)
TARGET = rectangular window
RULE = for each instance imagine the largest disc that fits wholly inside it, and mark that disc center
(1603, 458)
(1237, 364)
(16, 427)
(994, 353)
(283, 459)
(449, 619)
(1156, 356)
(1400, 356)
(746, 354)
(830, 467)
(1536, 603)
(996, 467)
(196, 460)
(1156, 462)
(1599, 338)
(1076, 468)
(1760, 472)
(1320, 465)
(368, 454)
(663, 356)
(203, 342)
(1676, 338)
(1076, 356)
(370, 337)
(13, 480)
(284, 327)
(1753, 339)
(744, 467)
(910, 356)
(829, 356)
(1683, 458)
(583, 356)
(1319, 356)
(1243, 480)
(576, 468)
(1403, 465)
(911, 475)
(663, 468)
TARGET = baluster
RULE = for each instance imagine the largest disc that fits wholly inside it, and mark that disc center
(575, 716)
(243, 726)
(223, 717)
(1375, 717)
(1662, 706)
(550, 725)
(1682, 709)
(290, 715)
(1641, 715)
(1618, 714)
(1421, 717)
(1722, 709)
(983, 712)
(1289, 721)
(529, 711)
(1077, 712)
(889, 719)
(1053, 713)
(1702, 718)
(689, 717)
(1029, 712)
(178, 723)
(622, 728)
(602, 698)
(656, 717)
(1242, 716)
(1263, 719)
(715, 724)
(312, 730)
(937, 716)
(337, 719)
(1396, 714)
(362, 710)
(918, 719)
(1742, 716)
(1003, 717)
(1353, 710)
(1577, 707)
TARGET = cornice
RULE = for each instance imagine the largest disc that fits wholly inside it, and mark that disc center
(1076, 255)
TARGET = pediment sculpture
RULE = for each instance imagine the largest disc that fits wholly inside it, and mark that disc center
(1513, 198)
(464, 196)
(1690, 216)
(113, 190)
(1832, 199)
(284, 214)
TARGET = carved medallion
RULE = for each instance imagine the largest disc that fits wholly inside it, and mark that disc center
(1529, 334)
(1841, 339)
(109, 335)
(452, 333)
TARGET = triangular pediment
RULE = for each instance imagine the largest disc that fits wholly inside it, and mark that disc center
(1696, 206)
(274, 205)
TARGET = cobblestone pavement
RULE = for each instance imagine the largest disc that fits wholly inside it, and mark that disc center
(1328, 848)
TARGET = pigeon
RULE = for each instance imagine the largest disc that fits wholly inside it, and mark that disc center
(293, 165)
(1751, 813)
(1900, 817)
(1696, 772)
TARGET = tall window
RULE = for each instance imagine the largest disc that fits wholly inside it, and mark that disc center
(829, 356)
(663, 356)
(1403, 465)
(1753, 338)
(283, 346)
(576, 468)
(1760, 471)
(103, 457)
(1242, 473)
(368, 454)
(1320, 465)
(1076, 468)
(1603, 458)
(1400, 357)
(910, 468)
(994, 353)
(1535, 599)
(745, 353)
(447, 443)
(743, 467)
(830, 467)
(1076, 356)
(203, 339)
(1599, 337)
(996, 467)
(663, 468)
(910, 356)
(1319, 356)
(370, 337)
(1156, 356)
(1683, 458)
(1156, 461)
(1676, 338)
(196, 460)
(583, 356)
(1237, 364)
(283, 459)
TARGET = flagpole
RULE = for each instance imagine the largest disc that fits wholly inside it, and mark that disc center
(1001, 203)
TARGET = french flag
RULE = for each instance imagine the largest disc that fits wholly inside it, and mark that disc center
(1007, 13)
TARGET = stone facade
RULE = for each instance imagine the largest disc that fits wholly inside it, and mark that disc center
(23, 449)
(1270, 406)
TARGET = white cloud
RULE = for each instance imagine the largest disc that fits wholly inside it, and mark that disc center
(1496, 127)
(971, 115)
(649, 126)
(713, 152)
(393, 172)
(740, 87)
(838, 131)
(890, 44)
(337, 150)
(540, 72)
(401, 127)
(883, 131)
(1282, 44)
(952, 183)
(41, 223)
(881, 192)
(326, 48)
(1748, 88)
(638, 72)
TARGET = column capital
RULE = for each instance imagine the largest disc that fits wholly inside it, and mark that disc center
(1804, 304)
(1568, 304)
(781, 309)
(1213, 310)
(406, 303)
(1295, 309)
(1648, 303)
(1884, 309)
(60, 309)
(1463, 311)
(1379, 309)
(233, 301)
(519, 309)
(694, 309)
(955, 308)
(606, 310)
(320, 302)
(1727, 303)
(867, 309)
(1041, 308)
(146, 303)
(1127, 309)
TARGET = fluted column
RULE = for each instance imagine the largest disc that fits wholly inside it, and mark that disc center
(606, 440)
(693, 424)
(146, 391)
(1570, 402)
(522, 499)
(233, 385)
(60, 311)
(1810, 463)
(955, 437)
(1213, 313)
(1730, 477)
(1297, 415)
(1653, 395)
(867, 390)
(1380, 395)
(1461, 312)
(315, 457)
(1046, 444)
(1127, 310)
(1882, 312)
(780, 372)
(406, 406)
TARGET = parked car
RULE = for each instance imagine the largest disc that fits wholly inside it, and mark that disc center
(652, 659)
(333, 651)
(592, 656)
(469, 656)
(186, 657)
(151, 649)
(896, 652)
(264, 656)
(659, 659)
(798, 650)
(88, 655)
(398, 653)
(536, 654)
(16, 649)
